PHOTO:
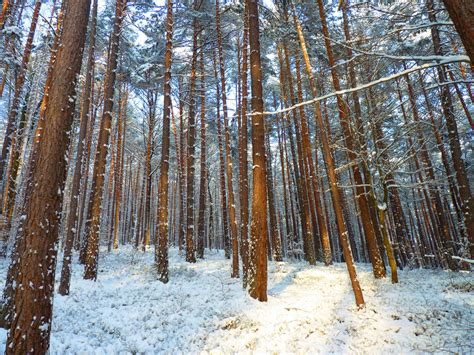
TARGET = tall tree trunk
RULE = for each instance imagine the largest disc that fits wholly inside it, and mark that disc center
(284, 182)
(161, 240)
(118, 174)
(258, 226)
(223, 191)
(12, 270)
(244, 179)
(201, 233)
(298, 165)
(39, 233)
(20, 81)
(230, 188)
(81, 240)
(467, 201)
(331, 171)
(151, 102)
(275, 238)
(92, 234)
(71, 224)
(351, 144)
(190, 249)
(323, 231)
(10, 189)
(181, 168)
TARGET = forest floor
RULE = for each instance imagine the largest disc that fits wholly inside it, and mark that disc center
(309, 310)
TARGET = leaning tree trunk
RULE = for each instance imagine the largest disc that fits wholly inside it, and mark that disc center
(39, 233)
(92, 234)
(7, 291)
(351, 144)
(298, 162)
(71, 223)
(462, 14)
(20, 81)
(332, 177)
(467, 201)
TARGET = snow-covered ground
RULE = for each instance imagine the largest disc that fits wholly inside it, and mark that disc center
(309, 310)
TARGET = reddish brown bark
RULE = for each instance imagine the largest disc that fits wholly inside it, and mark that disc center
(92, 233)
(37, 240)
(351, 144)
(274, 233)
(298, 165)
(71, 224)
(331, 171)
(3, 13)
(467, 201)
(258, 227)
(462, 14)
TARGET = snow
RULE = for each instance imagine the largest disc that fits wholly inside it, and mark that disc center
(309, 310)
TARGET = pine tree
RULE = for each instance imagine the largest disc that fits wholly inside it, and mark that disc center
(258, 226)
(92, 232)
(161, 242)
(39, 234)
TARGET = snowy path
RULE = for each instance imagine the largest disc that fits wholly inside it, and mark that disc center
(310, 310)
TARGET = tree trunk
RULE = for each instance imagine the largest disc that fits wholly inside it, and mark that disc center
(92, 234)
(3, 13)
(151, 102)
(367, 224)
(39, 234)
(258, 227)
(331, 171)
(275, 238)
(225, 223)
(190, 249)
(298, 165)
(230, 188)
(203, 179)
(118, 174)
(467, 201)
(71, 224)
(462, 14)
(20, 81)
(244, 180)
(161, 241)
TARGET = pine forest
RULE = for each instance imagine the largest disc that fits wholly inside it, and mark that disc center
(237, 176)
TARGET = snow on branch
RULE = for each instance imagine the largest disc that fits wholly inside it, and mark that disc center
(436, 61)
(470, 261)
